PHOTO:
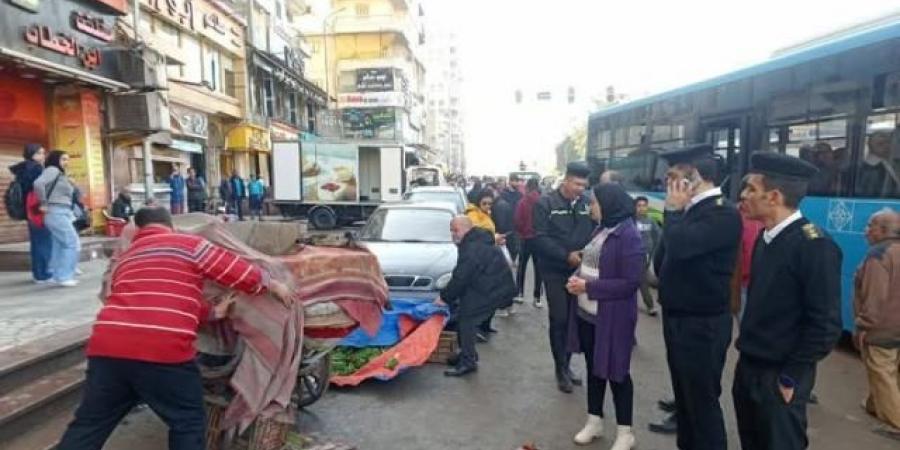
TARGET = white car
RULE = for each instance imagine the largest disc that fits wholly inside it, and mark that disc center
(443, 194)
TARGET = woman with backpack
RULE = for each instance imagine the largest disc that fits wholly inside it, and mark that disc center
(57, 193)
(26, 172)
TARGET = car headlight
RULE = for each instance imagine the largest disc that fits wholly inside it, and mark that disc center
(443, 281)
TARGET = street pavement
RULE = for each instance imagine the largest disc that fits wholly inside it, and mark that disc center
(511, 400)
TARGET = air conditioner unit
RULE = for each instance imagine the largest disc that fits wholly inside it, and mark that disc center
(147, 112)
(142, 68)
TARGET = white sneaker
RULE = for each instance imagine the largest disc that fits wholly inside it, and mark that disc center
(68, 283)
(78, 272)
(593, 429)
(538, 303)
(502, 312)
(624, 439)
(518, 299)
(47, 281)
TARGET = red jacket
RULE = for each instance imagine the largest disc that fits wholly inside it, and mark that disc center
(749, 233)
(156, 303)
(524, 218)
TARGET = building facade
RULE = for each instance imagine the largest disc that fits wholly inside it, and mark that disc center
(55, 73)
(444, 130)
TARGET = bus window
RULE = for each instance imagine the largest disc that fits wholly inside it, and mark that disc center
(823, 144)
(878, 174)
(605, 139)
(774, 140)
(640, 170)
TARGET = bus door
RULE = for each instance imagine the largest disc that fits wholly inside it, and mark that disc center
(725, 137)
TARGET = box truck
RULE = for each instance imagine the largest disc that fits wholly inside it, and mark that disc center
(335, 183)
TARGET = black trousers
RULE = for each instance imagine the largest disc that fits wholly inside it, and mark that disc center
(514, 245)
(196, 204)
(467, 326)
(765, 421)
(527, 247)
(558, 302)
(114, 386)
(623, 392)
(695, 350)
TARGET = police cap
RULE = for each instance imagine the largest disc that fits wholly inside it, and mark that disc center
(782, 166)
(577, 169)
(688, 155)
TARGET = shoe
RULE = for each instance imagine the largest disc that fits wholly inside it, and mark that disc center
(47, 281)
(453, 360)
(652, 312)
(538, 303)
(460, 371)
(481, 337)
(668, 426)
(79, 272)
(67, 283)
(624, 438)
(489, 329)
(888, 432)
(593, 429)
(667, 405)
(574, 379)
(518, 299)
(504, 312)
(564, 383)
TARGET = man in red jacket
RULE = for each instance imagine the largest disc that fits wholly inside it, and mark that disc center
(524, 221)
(142, 345)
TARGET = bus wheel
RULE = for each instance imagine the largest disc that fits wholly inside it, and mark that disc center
(323, 218)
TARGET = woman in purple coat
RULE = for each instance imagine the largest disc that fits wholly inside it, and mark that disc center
(603, 323)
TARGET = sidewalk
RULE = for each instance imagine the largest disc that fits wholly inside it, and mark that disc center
(29, 311)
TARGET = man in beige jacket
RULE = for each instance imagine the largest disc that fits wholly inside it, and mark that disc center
(877, 311)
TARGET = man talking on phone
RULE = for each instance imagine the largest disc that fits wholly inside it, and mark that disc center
(562, 227)
(695, 262)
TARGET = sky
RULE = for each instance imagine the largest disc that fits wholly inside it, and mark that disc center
(639, 46)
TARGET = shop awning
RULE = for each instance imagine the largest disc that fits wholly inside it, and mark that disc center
(248, 138)
(62, 70)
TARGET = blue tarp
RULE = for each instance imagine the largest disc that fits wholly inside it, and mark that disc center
(389, 333)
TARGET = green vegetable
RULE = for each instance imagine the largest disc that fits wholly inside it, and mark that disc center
(348, 360)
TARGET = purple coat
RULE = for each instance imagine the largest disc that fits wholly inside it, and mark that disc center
(621, 268)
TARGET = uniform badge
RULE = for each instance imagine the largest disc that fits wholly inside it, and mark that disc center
(811, 231)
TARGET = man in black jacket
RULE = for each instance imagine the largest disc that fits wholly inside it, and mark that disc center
(481, 282)
(695, 262)
(562, 226)
(512, 195)
(793, 314)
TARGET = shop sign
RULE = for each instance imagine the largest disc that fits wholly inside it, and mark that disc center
(92, 26)
(63, 43)
(374, 123)
(284, 133)
(375, 80)
(189, 122)
(219, 30)
(187, 146)
(28, 5)
(370, 99)
(247, 138)
(180, 11)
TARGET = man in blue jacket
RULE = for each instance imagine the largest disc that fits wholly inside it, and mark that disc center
(237, 193)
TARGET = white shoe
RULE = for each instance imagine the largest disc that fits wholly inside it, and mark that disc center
(538, 303)
(68, 283)
(47, 281)
(79, 272)
(624, 439)
(502, 312)
(518, 299)
(593, 429)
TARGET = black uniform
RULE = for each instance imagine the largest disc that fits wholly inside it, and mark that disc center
(792, 320)
(561, 226)
(695, 262)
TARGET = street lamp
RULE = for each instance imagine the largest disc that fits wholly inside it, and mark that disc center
(325, 47)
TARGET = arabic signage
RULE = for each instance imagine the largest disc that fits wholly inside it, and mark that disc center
(188, 122)
(64, 32)
(202, 17)
(375, 80)
(372, 123)
(370, 99)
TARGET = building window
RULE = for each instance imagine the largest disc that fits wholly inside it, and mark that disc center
(292, 109)
(192, 70)
(168, 34)
(212, 70)
(229, 86)
(278, 8)
(268, 86)
(362, 9)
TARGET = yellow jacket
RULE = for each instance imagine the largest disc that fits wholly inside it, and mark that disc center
(480, 219)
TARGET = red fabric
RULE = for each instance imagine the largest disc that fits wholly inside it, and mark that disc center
(33, 209)
(751, 230)
(155, 304)
(525, 215)
(414, 350)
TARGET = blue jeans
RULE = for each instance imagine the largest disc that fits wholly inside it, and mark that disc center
(66, 244)
(41, 247)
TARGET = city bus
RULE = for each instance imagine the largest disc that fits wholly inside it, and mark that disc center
(834, 102)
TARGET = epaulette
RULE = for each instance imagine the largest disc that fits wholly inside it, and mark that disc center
(811, 231)
(720, 201)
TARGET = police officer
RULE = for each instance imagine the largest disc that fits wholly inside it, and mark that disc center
(792, 318)
(562, 226)
(695, 263)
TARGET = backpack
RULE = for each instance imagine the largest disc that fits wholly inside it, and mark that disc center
(14, 198)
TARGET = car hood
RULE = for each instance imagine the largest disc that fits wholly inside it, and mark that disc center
(424, 259)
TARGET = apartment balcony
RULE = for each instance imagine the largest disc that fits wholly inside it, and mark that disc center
(376, 24)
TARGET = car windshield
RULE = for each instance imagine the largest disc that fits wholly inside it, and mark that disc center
(408, 225)
(425, 196)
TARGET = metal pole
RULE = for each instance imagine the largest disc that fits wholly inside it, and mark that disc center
(136, 17)
(148, 170)
(325, 63)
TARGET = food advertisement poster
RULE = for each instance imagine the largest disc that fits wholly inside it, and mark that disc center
(329, 172)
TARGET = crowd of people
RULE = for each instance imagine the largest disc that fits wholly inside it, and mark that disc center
(759, 264)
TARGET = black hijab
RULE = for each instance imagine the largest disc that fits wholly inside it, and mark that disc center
(615, 204)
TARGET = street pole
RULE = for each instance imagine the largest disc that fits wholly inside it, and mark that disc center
(147, 147)
(330, 16)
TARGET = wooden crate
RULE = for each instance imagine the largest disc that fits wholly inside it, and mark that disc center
(447, 347)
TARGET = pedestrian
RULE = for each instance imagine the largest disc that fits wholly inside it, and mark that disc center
(56, 193)
(650, 235)
(237, 193)
(481, 283)
(562, 226)
(603, 323)
(695, 263)
(196, 191)
(40, 240)
(472, 195)
(480, 211)
(524, 221)
(512, 195)
(121, 207)
(225, 195)
(793, 315)
(750, 230)
(876, 307)
(257, 191)
(141, 349)
(177, 187)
